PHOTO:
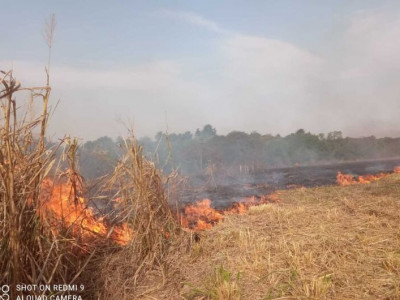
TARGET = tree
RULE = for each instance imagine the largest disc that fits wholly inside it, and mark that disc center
(207, 133)
(300, 131)
(335, 135)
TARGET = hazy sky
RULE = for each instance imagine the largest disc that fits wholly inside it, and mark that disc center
(268, 66)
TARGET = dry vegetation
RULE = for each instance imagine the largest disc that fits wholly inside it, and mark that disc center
(37, 248)
(30, 251)
(145, 208)
(321, 243)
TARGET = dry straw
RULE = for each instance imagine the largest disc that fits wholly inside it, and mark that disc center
(29, 252)
(144, 205)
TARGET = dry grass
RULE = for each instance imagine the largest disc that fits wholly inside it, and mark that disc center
(30, 253)
(321, 243)
(145, 207)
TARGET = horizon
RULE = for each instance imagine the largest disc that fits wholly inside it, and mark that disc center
(267, 67)
(217, 134)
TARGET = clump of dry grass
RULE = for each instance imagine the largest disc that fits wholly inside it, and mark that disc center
(30, 252)
(22, 165)
(144, 206)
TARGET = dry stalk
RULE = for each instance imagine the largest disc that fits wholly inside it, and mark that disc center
(30, 252)
(141, 188)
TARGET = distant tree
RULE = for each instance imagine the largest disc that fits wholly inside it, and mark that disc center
(255, 134)
(335, 135)
(300, 131)
(207, 133)
(102, 144)
(235, 135)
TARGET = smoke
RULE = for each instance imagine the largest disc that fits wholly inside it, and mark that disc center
(358, 92)
(347, 82)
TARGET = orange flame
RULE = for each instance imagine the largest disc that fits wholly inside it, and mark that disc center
(347, 179)
(243, 206)
(65, 210)
(201, 216)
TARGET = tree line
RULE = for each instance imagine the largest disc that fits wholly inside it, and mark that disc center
(238, 151)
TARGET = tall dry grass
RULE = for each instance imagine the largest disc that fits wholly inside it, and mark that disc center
(141, 189)
(30, 253)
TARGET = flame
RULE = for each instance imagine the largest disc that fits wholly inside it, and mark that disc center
(370, 178)
(347, 179)
(201, 216)
(67, 209)
(243, 206)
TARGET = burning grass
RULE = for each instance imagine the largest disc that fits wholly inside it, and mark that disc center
(49, 235)
(201, 215)
(347, 179)
(30, 252)
(320, 243)
(64, 208)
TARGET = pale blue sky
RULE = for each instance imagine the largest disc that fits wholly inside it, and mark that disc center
(269, 66)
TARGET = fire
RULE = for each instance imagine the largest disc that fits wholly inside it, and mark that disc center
(243, 206)
(63, 208)
(67, 209)
(370, 178)
(201, 216)
(347, 179)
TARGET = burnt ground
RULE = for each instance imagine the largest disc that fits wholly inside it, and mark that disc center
(229, 189)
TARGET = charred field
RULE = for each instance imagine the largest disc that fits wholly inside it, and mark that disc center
(225, 190)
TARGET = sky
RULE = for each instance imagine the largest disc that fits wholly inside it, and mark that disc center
(267, 66)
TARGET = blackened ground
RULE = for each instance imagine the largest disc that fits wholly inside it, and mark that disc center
(229, 189)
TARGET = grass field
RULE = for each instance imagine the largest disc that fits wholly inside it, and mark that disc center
(322, 243)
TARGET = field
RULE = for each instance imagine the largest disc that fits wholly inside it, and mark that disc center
(318, 243)
(305, 242)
